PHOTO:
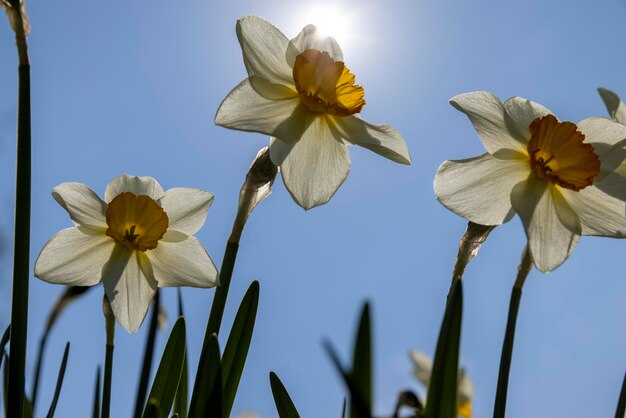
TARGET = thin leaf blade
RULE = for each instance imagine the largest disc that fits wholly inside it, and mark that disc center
(169, 371)
(362, 361)
(236, 350)
(61, 376)
(284, 404)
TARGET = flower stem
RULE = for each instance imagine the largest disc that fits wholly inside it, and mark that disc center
(509, 335)
(21, 263)
(469, 245)
(109, 320)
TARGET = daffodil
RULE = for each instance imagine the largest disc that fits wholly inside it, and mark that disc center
(301, 93)
(137, 239)
(557, 176)
(422, 369)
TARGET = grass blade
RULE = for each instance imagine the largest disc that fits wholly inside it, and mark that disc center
(442, 390)
(621, 404)
(362, 361)
(96, 396)
(208, 403)
(3, 342)
(146, 365)
(284, 404)
(180, 402)
(168, 374)
(108, 374)
(238, 343)
(57, 390)
(359, 405)
(21, 253)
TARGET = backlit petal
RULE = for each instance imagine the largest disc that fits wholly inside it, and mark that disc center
(246, 109)
(497, 132)
(550, 241)
(129, 284)
(183, 263)
(264, 50)
(186, 209)
(134, 184)
(382, 139)
(74, 258)
(599, 213)
(607, 138)
(615, 107)
(314, 167)
(83, 205)
(522, 112)
(479, 188)
(310, 38)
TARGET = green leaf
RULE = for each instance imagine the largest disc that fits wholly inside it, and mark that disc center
(3, 342)
(442, 390)
(362, 362)
(621, 403)
(209, 402)
(360, 406)
(152, 409)
(57, 390)
(5, 383)
(21, 252)
(168, 374)
(238, 343)
(180, 402)
(148, 353)
(96, 396)
(284, 404)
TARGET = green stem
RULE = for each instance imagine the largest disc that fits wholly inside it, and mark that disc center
(221, 292)
(106, 390)
(509, 336)
(21, 263)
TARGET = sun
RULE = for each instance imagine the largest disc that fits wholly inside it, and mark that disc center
(331, 19)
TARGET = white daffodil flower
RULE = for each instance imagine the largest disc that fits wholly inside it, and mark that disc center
(422, 369)
(563, 179)
(301, 93)
(137, 239)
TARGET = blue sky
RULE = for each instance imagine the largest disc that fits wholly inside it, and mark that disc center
(133, 88)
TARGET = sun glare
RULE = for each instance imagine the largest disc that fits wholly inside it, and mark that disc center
(331, 19)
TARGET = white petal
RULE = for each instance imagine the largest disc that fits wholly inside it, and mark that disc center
(614, 105)
(549, 240)
(422, 367)
(246, 109)
(83, 205)
(599, 213)
(74, 258)
(608, 138)
(314, 167)
(129, 284)
(522, 112)
(264, 50)
(488, 116)
(466, 387)
(184, 263)
(136, 185)
(186, 209)
(479, 188)
(310, 38)
(382, 139)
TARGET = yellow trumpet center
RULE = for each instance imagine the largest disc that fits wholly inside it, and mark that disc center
(558, 154)
(326, 85)
(137, 222)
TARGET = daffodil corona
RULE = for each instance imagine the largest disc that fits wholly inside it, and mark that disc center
(139, 238)
(302, 94)
(563, 179)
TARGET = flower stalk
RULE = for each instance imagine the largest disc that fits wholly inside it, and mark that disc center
(469, 245)
(509, 336)
(109, 324)
(21, 263)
